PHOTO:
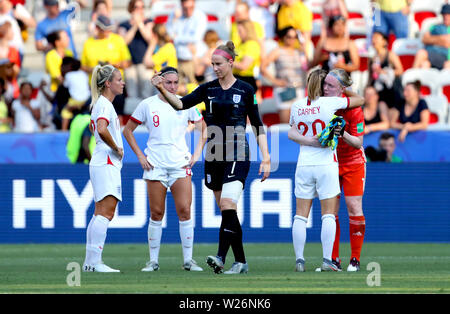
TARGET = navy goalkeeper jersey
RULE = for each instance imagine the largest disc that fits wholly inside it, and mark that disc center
(226, 117)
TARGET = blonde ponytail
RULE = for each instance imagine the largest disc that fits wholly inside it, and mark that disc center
(100, 75)
(314, 83)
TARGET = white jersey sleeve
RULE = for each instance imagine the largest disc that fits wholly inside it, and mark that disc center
(140, 113)
(194, 115)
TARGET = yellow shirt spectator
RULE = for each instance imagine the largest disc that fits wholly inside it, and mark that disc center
(53, 63)
(251, 49)
(392, 5)
(112, 49)
(166, 56)
(298, 15)
(236, 39)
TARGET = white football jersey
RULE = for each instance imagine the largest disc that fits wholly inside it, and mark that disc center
(103, 154)
(310, 118)
(166, 144)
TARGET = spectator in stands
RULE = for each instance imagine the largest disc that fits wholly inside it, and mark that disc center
(376, 114)
(137, 33)
(161, 52)
(77, 83)
(203, 67)
(242, 13)
(337, 50)
(24, 19)
(385, 70)
(53, 59)
(385, 150)
(248, 54)
(187, 30)
(7, 51)
(331, 8)
(412, 113)
(259, 11)
(5, 112)
(7, 16)
(290, 69)
(9, 74)
(55, 20)
(296, 14)
(26, 111)
(437, 44)
(392, 17)
(106, 48)
(100, 7)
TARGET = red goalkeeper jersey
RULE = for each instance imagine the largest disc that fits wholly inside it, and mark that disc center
(348, 155)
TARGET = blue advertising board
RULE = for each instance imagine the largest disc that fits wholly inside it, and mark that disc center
(53, 203)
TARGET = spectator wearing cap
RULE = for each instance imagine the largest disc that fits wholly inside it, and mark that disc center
(392, 16)
(437, 44)
(100, 7)
(137, 33)
(106, 48)
(55, 20)
(6, 15)
(187, 30)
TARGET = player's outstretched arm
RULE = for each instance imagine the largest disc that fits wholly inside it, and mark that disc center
(199, 126)
(172, 99)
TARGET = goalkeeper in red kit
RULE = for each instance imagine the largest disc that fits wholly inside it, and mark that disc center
(352, 173)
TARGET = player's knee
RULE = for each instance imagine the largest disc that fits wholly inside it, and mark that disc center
(156, 214)
(184, 213)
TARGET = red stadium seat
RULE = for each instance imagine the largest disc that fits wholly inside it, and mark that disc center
(421, 10)
(438, 106)
(270, 119)
(266, 91)
(406, 49)
(419, 17)
(429, 78)
(446, 92)
(161, 19)
(212, 18)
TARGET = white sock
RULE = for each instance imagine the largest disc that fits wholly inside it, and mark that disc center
(299, 235)
(187, 239)
(88, 242)
(327, 234)
(96, 236)
(154, 239)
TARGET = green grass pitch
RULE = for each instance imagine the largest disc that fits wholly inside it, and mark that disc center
(403, 268)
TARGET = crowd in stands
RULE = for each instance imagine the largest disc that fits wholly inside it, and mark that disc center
(386, 45)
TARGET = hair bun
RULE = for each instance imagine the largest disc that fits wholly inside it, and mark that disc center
(230, 45)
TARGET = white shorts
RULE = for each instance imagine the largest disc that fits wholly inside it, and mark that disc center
(106, 180)
(167, 176)
(317, 181)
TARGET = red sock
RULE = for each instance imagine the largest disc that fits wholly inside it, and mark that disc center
(357, 230)
(335, 253)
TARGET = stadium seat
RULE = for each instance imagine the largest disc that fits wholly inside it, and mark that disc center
(358, 9)
(357, 28)
(427, 77)
(422, 10)
(406, 49)
(219, 15)
(361, 44)
(270, 119)
(438, 106)
(444, 83)
(427, 23)
(161, 10)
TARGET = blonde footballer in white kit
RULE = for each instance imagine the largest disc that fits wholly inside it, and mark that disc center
(317, 173)
(167, 163)
(105, 164)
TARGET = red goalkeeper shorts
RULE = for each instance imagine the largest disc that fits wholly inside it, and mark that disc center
(352, 179)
